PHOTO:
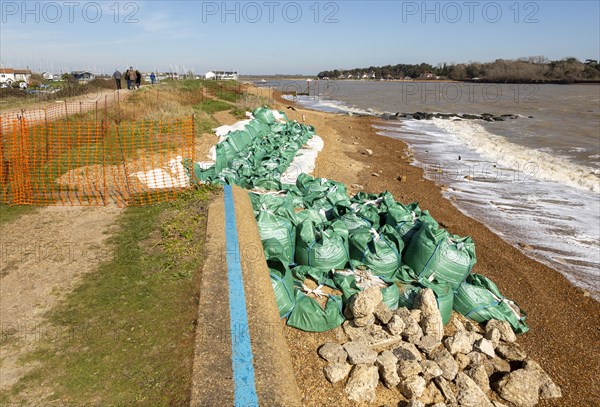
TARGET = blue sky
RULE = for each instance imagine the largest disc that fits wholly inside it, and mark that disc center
(305, 37)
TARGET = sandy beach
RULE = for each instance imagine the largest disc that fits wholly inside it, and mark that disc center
(564, 321)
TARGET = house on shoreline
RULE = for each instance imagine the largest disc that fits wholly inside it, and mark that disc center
(10, 75)
(222, 75)
(83, 76)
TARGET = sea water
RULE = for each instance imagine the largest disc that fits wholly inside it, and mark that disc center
(534, 180)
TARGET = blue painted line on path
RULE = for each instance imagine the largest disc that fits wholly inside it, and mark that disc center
(241, 348)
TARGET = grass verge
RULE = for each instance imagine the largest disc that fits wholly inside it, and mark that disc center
(213, 106)
(9, 213)
(125, 335)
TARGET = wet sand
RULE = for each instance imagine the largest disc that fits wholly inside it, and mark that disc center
(564, 321)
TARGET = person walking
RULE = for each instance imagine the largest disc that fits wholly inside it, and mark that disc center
(117, 76)
(138, 79)
(152, 78)
(130, 77)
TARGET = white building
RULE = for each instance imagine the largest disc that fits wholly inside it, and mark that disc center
(222, 75)
(9, 75)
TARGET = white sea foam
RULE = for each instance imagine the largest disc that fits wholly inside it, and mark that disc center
(327, 105)
(538, 164)
(560, 221)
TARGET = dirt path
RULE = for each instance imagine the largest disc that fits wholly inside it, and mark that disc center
(58, 109)
(42, 257)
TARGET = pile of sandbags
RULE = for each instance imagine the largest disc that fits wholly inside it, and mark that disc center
(316, 225)
(261, 152)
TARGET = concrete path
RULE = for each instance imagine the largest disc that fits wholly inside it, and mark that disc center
(239, 361)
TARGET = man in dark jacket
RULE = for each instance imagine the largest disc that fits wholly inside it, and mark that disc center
(138, 79)
(117, 75)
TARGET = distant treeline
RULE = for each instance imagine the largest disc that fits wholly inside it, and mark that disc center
(530, 69)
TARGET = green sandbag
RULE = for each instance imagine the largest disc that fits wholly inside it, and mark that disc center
(480, 300)
(443, 294)
(369, 212)
(406, 294)
(225, 154)
(204, 175)
(407, 220)
(279, 205)
(310, 215)
(318, 201)
(320, 276)
(198, 175)
(373, 207)
(346, 283)
(391, 296)
(307, 185)
(362, 197)
(239, 139)
(308, 315)
(323, 246)
(283, 286)
(273, 228)
(261, 128)
(229, 177)
(434, 253)
(354, 222)
(380, 252)
(266, 184)
(264, 114)
(253, 131)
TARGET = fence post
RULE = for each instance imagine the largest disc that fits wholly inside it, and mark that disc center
(104, 167)
(3, 179)
(119, 107)
(47, 145)
(23, 168)
(119, 140)
(66, 111)
(81, 107)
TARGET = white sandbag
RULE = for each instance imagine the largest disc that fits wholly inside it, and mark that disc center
(279, 118)
(155, 179)
(212, 153)
(180, 178)
(316, 143)
(226, 129)
(205, 165)
(303, 163)
(158, 178)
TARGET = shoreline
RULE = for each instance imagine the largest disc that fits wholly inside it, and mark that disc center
(562, 318)
(524, 246)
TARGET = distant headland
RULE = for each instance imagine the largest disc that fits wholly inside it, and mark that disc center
(523, 70)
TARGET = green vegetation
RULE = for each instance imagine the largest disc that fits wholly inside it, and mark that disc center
(9, 213)
(105, 136)
(213, 106)
(530, 69)
(125, 335)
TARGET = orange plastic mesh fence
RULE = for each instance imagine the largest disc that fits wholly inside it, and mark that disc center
(93, 162)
